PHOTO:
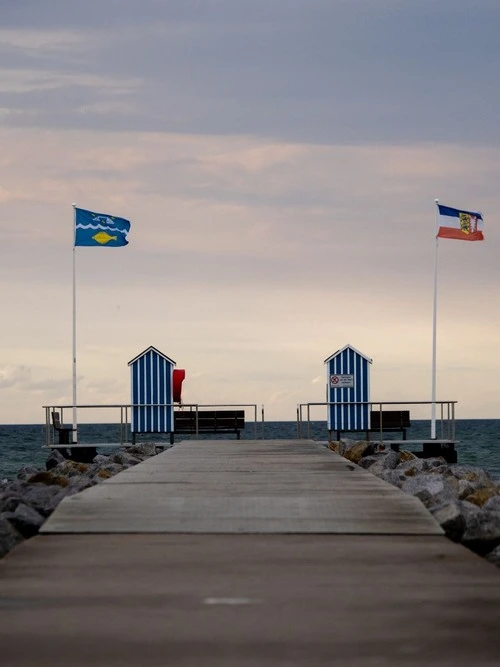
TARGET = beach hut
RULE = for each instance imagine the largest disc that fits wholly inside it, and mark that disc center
(347, 388)
(152, 374)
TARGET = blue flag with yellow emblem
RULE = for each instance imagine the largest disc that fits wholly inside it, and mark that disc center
(100, 229)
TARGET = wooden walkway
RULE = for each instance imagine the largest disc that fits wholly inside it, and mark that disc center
(249, 553)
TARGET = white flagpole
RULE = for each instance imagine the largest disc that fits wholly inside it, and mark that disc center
(75, 427)
(434, 329)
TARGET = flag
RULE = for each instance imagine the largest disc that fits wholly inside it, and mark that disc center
(461, 225)
(100, 229)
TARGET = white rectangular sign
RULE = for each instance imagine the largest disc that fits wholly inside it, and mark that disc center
(341, 381)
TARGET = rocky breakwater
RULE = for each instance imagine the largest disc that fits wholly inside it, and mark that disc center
(464, 500)
(26, 502)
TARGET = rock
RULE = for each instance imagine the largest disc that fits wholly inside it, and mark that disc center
(357, 450)
(43, 498)
(434, 462)
(478, 476)
(430, 489)
(480, 496)
(48, 478)
(125, 458)
(405, 456)
(494, 556)
(9, 537)
(465, 488)
(55, 458)
(27, 471)
(412, 467)
(493, 503)
(100, 459)
(9, 501)
(142, 451)
(394, 477)
(482, 532)
(368, 461)
(334, 445)
(451, 518)
(25, 520)
(391, 460)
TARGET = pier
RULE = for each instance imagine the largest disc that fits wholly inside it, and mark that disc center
(243, 554)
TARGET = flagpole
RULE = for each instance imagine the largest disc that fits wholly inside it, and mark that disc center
(75, 427)
(434, 329)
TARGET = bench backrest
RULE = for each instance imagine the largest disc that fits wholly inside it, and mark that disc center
(390, 419)
(209, 419)
(56, 420)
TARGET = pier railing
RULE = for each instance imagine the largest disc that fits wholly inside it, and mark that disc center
(445, 420)
(124, 411)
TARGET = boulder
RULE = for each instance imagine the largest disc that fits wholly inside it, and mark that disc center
(480, 496)
(9, 537)
(482, 532)
(48, 478)
(55, 458)
(125, 459)
(368, 461)
(451, 518)
(494, 556)
(478, 476)
(493, 503)
(357, 450)
(142, 451)
(405, 456)
(27, 471)
(25, 520)
(431, 489)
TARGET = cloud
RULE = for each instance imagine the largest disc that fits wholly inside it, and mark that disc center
(12, 375)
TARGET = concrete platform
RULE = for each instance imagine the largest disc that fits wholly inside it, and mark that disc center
(119, 598)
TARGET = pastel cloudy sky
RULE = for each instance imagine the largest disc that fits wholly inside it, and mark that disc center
(279, 161)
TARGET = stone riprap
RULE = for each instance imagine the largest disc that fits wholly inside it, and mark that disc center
(26, 502)
(464, 500)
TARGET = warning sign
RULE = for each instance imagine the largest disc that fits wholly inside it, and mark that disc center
(341, 381)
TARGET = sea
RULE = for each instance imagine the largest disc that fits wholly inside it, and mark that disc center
(477, 440)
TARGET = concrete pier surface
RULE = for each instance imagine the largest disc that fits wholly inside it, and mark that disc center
(246, 553)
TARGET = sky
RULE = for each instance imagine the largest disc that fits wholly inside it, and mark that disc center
(279, 161)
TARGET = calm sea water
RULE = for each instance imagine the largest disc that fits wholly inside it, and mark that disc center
(478, 441)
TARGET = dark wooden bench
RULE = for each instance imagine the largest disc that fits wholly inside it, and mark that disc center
(63, 431)
(390, 420)
(209, 421)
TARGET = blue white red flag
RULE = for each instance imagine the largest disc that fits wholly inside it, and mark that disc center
(462, 225)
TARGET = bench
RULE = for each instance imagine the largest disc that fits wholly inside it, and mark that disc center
(62, 430)
(392, 420)
(209, 421)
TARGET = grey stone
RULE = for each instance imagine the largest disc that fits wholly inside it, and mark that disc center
(465, 488)
(54, 459)
(25, 520)
(44, 499)
(430, 489)
(9, 537)
(391, 460)
(144, 450)
(494, 556)
(416, 465)
(482, 532)
(368, 461)
(479, 477)
(434, 462)
(125, 458)
(492, 504)
(451, 518)
(27, 471)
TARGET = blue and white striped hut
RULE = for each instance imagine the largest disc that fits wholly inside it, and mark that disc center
(152, 392)
(347, 381)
